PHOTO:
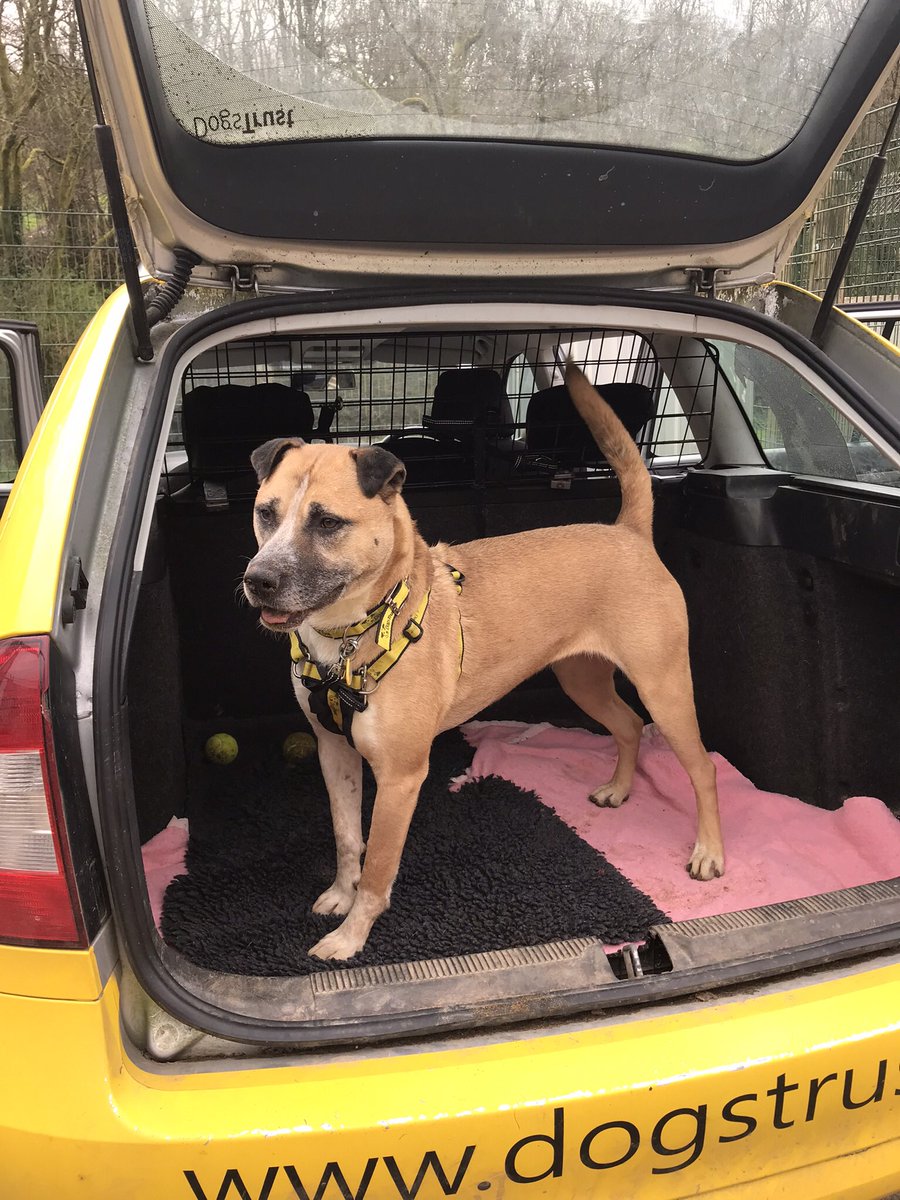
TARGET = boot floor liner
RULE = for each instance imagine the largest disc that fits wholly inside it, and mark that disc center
(488, 866)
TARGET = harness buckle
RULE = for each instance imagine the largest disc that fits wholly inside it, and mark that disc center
(363, 679)
(348, 647)
(346, 651)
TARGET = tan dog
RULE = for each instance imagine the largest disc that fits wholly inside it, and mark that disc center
(336, 538)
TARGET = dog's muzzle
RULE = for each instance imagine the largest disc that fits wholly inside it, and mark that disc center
(284, 599)
(261, 584)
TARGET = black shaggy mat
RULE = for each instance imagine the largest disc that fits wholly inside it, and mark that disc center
(487, 867)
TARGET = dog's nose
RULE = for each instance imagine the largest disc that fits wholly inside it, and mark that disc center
(261, 581)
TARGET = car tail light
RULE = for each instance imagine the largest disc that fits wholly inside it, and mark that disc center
(38, 900)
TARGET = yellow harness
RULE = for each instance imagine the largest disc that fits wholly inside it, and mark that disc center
(336, 691)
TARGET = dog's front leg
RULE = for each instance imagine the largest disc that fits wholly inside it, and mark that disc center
(342, 768)
(395, 803)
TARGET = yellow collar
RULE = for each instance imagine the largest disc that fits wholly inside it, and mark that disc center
(385, 612)
(369, 673)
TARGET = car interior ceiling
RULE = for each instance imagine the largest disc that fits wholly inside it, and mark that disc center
(792, 658)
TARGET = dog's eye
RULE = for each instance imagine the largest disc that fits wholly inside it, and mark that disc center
(330, 523)
(265, 516)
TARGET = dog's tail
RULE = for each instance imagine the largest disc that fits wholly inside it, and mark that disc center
(619, 449)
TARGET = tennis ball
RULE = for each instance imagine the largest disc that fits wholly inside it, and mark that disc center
(221, 748)
(298, 746)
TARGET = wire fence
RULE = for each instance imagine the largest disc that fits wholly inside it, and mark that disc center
(874, 269)
(57, 267)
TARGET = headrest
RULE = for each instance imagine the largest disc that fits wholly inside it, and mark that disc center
(462, 396)
(552, 423)
(223, 425)
(431, 458)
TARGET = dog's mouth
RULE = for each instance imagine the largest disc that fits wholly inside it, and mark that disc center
(281, 620)
(285, 619)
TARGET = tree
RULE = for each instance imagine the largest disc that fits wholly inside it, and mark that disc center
(47, 159)
(27, 33)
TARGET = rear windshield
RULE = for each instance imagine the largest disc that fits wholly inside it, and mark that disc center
(730, 79)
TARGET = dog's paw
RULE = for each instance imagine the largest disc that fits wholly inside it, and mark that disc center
(338, 945)
(611, 795)
(706, 864)
(335, 901)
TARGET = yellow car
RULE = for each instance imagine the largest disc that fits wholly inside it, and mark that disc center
(388, 224)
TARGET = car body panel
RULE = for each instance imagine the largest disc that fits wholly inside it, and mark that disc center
(34, 525)
(796, 1087)
(796, 305)
(49, 974)
(864, 354)
(763, 1094)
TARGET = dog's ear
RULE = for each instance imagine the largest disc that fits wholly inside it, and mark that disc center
(379, 472)
(266, 458)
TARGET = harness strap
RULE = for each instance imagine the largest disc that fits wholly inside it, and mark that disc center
(336, 697)
(459, 579)
(457, 576)
(385, 611)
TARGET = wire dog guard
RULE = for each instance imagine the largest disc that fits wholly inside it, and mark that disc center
(459, 408)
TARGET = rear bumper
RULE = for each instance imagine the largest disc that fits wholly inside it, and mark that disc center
(787, 1094)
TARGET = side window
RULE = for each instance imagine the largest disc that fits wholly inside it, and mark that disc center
(799, 430)
(9, 450)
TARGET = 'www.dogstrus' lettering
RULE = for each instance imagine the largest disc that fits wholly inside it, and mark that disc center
(449, 1182)
(674, 1142)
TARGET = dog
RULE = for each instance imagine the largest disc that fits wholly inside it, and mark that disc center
(395, 641)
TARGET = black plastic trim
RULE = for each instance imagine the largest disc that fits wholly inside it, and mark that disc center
(117, 810)
(507, 194)
(859, 532)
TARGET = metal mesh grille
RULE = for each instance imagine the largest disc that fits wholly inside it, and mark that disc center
(458, 407)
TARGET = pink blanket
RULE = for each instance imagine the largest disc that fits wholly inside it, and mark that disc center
(163, 859)
(777, 848)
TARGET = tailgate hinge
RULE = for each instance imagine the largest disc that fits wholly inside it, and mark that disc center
(243, 277)
(702, 281)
